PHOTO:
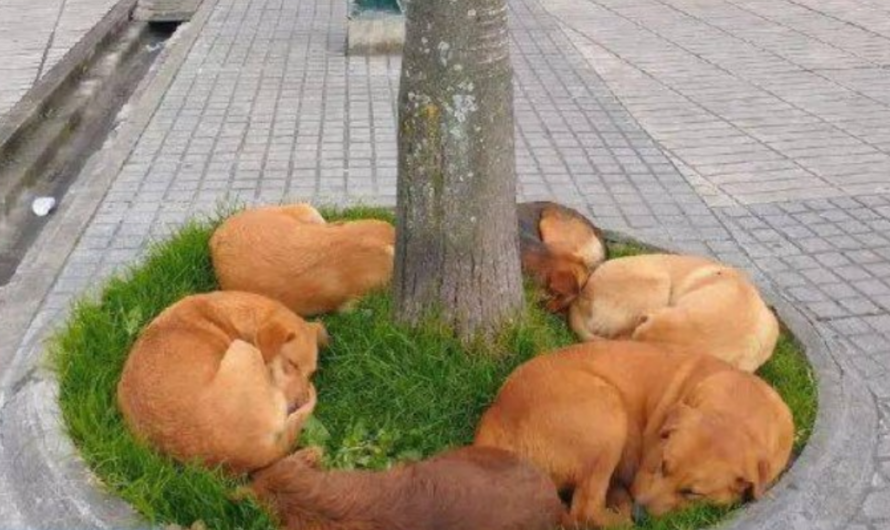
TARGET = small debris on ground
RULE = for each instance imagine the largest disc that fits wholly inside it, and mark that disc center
(42, 206)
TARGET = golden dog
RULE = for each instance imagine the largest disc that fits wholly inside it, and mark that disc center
(559, 248)
(464, 489)
(223, 378)
(689, 302)
(612, 418)
(290, 254)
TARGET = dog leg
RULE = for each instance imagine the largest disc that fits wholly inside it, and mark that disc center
(619, 500)
(589, 502)
(578, 322)
(242, 372)
(251, 409)
(348, 306)
(294, 423)
(310, 456)
(665, 325)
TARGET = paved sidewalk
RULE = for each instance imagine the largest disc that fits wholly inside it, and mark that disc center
(35, 35)
(757, 131)
(778, 114)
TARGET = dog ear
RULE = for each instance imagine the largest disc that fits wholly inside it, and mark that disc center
(548, 224)
(754, 487)
(674, 420)
(564, 282)
(272, 336)
(562, 230)
(321, 334)
(556, 231)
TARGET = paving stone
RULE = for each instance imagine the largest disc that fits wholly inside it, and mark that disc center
(34, 36)
(877, 505)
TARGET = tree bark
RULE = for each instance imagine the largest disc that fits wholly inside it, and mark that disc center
(457, 252)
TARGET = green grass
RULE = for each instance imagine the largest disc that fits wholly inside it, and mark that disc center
(385, 393)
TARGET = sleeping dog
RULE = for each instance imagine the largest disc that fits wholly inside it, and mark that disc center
(290, 254)
(612, 420)
(686, 302)
(559, 249)
(222, 378)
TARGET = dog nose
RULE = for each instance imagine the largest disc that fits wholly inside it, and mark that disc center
(639, 513)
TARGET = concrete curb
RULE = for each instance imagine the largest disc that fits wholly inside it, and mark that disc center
(43, 482)
(375, 34)
(166, 10)
(39, 99)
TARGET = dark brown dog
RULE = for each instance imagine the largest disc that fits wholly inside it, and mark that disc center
(464, 489)
(559, 249)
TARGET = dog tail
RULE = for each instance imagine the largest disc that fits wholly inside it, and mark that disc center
(301, 495)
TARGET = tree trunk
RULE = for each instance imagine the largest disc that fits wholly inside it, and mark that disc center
(457, 253)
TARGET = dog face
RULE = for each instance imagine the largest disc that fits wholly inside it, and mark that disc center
(301, 350)
(565, 281)
(297, 359)
(700, 457)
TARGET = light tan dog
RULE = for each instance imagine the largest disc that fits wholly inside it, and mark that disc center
(290, 254)
(684, 301)
(609, 418)
(222, 378)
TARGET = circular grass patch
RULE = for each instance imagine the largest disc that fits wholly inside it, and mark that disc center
(386, 393)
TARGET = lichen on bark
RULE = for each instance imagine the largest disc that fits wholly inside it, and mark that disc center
(457, 251)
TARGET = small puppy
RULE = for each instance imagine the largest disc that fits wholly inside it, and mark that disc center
(223, 378)
(463, 489)
(559, 248)
(290, 254)
(609, 419)
(689, 302)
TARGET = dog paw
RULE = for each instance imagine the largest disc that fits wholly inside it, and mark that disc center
(605, 518)
(307, 408)
(348, 307)
(310, 456)
(594, 338)
(241, 493)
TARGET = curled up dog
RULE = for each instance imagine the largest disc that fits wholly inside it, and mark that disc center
(559, 248)
(290, 254)
(222, 378)
(684, 302)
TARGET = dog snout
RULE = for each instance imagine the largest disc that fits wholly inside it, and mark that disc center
(302, 395)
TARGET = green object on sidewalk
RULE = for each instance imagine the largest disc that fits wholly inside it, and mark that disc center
(376, 5)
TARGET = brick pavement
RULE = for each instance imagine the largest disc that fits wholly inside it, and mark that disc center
(35, 35)
(778, 113)
(752, 130)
